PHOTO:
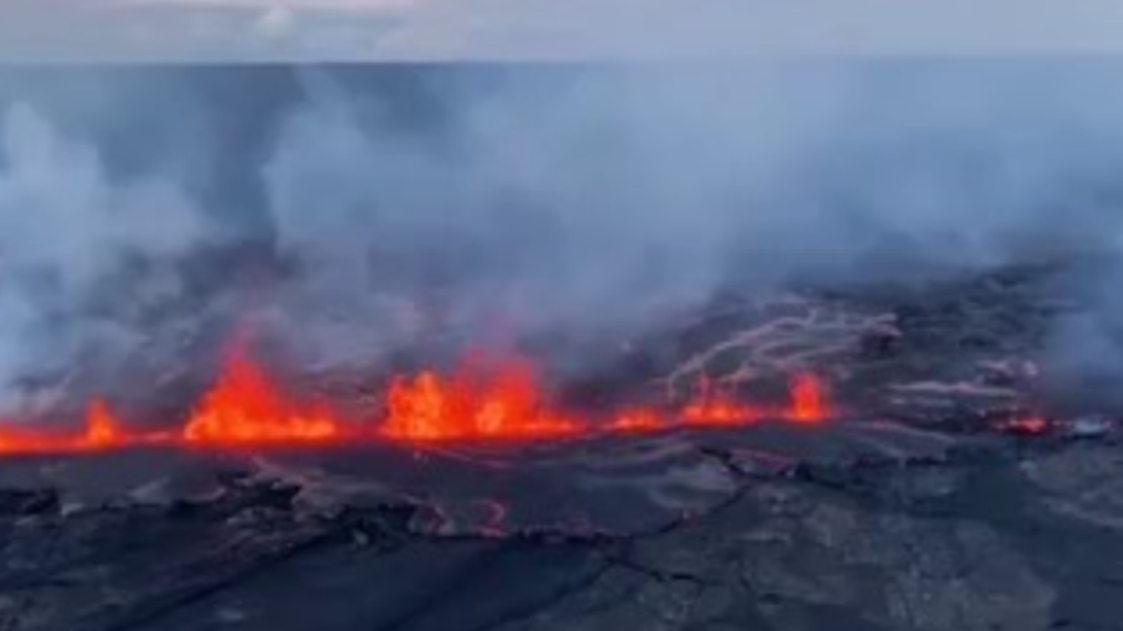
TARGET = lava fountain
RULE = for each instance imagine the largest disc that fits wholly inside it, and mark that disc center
(504, 401)
(245, 406)
(501, 400)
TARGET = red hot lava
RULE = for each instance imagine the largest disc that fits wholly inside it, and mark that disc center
(504, 402)
(100, 430)
(712, 405)
(507, 401)
(245, 406)
(808, 402)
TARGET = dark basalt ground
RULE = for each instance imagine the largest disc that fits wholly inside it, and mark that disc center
(916, 511)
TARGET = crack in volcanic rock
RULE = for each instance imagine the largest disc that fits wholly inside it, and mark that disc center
(943, 497)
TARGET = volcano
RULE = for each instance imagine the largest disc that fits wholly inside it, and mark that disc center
(886, 474)
(411, 348)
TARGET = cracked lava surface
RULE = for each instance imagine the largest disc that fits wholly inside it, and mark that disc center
(889, 486)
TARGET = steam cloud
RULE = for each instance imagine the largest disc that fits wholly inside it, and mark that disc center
(585, 202)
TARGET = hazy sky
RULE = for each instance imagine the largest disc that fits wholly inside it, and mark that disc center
(254, 29)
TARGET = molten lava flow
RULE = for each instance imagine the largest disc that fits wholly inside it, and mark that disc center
(713, 406)
(808, 402)
(15, 439)
(102, 429)
(500, 400)
(637, 419)
(245, 406)
(504, 402)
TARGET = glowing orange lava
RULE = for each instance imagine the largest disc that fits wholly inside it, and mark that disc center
(102, 430)
(808, 402)
(505, 402)
(637, 419)
(478, 401)
(711, 405)
(15, 438)
(245, 406)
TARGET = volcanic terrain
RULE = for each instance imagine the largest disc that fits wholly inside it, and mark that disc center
(865, 460)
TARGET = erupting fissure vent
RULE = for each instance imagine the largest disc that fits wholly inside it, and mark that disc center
(501, 400)
(245, 406)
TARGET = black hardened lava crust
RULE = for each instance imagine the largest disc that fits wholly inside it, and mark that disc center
(918, 509)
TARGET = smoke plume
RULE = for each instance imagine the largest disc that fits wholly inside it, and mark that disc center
(489, 205)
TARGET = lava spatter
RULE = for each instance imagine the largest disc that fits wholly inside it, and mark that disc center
(100, 430)
(808, 399)
(713, 405)
(505, 401)
(245, 406)
(478, 401)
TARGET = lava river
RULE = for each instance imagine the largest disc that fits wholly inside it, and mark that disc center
(503, 400)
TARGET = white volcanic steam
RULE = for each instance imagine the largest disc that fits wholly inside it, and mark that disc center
(505, 204)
